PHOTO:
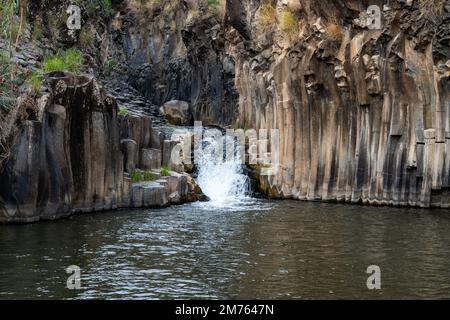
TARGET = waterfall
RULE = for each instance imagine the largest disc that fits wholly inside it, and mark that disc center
(221, 177)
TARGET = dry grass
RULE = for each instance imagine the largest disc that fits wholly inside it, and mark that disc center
(267, 15)
(289, 25)
(193, 14)
(334, 30)
(431, 9)
(145, 6)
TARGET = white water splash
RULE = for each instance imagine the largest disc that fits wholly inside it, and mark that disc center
(222, 180)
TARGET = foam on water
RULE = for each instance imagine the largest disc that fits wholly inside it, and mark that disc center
(222, 180)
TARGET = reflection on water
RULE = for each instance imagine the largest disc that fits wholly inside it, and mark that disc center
(256, 249)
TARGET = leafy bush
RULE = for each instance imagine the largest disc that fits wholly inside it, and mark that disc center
(136, 177)
(106, 4)
(165, 172)
(289, 23)
(267, 15)
(123, 112)
(7, 93)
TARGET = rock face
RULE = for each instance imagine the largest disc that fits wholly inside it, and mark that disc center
(62, 162)
(363, 114)
(174, 50)
(76, 156)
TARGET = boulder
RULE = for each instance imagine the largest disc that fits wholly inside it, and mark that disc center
(177, 112)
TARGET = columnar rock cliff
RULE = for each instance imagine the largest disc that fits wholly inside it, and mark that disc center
(364, 115)
(363, 112)
(73, 154)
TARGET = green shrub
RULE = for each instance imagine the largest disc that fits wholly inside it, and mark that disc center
(110, 65)
(123, 112)
(148, 176)
(6, 85)
(55, 63)
(136, 177)
(71, 61)
(35, 80)
(289, 23)
(165, 172)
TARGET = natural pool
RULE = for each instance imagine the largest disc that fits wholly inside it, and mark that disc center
(247, 248)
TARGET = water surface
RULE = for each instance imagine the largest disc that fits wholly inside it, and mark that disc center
(248, 249)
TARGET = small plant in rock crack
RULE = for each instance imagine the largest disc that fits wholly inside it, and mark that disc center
(165, 172)
(267, 15)
(136, 177)
(149, 176)
(35, 80)
(87, 38)
(110, 66)
(123, 112)
(289, 23)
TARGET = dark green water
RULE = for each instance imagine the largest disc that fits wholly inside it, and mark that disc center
(252, 249)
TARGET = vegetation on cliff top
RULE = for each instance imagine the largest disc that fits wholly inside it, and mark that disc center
(71, 60)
